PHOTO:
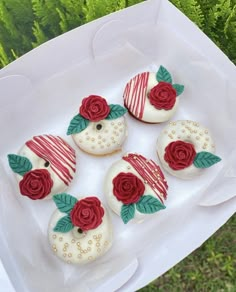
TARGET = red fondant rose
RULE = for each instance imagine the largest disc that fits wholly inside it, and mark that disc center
(87, 213)
(36, 184)
(163, 96)
(179, 154)
(128, 188)
(94, 108)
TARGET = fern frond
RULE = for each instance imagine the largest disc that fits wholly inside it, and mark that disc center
(193, 10)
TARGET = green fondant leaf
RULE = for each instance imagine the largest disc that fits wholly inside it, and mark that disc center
(65, 202)
(77, 125)
(163, 75)
(205, 159)
(116, 111)
(179, 88)
(19, 164)
(127, 212)
(64, 225)
(149, 205)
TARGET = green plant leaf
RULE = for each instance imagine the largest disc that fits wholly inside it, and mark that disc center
(149, 205)
(64, 225)
(65, 202)
(163, 75)
(127, 212)
(19, 164)
(179, 88)
(77, 125)
(116, 111)
(205, 159)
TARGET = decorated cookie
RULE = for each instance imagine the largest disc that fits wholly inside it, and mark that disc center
(185, 148)
(135, 186)
(152, 97)
(44, 166)
(98, 128)
(80, 230)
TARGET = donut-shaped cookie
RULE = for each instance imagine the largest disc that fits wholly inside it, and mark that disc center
(185, 148)
(135, 186)
(152, 97)
(80, 231)
(98, 128)
(44, 166)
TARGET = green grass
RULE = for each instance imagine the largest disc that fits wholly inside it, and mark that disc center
(212, 267)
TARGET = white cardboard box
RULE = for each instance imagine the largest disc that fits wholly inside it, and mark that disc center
(42, 90)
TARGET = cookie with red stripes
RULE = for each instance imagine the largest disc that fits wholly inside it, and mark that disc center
(152, 97)
(135, 186)
(98, 128)
(44, 166)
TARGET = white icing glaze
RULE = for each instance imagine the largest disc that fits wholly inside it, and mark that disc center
(76, 248)
(150, 113)
(187, 131)
(39, 163)
(104, 141)
(114, 204)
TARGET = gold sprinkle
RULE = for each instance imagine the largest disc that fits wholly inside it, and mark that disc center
(95, 236)
(54, 246)
(112, 124)
(100, 236)
(197, 137)
(99, 250)
(90, 242)
(206, 132)
(69, 255)
(79, 256)
(90, 258)
(64, 255)
(97, 244)
(85, 251)
(99, 137)
(92, 139)
(54, 236)
(64, 249)
(89, 248)
(78, 243)
(106, 243)
(61, 238)
(55, 250)
(66, 244)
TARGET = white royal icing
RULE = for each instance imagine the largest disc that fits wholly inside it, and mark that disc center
(138, 94)
(60, 183)
(75, 248)
(187, 131)
(104, 141)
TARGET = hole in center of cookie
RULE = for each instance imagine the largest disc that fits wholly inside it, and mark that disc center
(80, 231)
(46, 164)
(99, 127)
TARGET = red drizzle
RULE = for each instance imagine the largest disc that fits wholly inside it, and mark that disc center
(135, 94)
(150, 172)
(56, 151)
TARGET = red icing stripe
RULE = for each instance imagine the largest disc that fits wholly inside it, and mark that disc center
(135, 94)
(56, 151)
(150, 172)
